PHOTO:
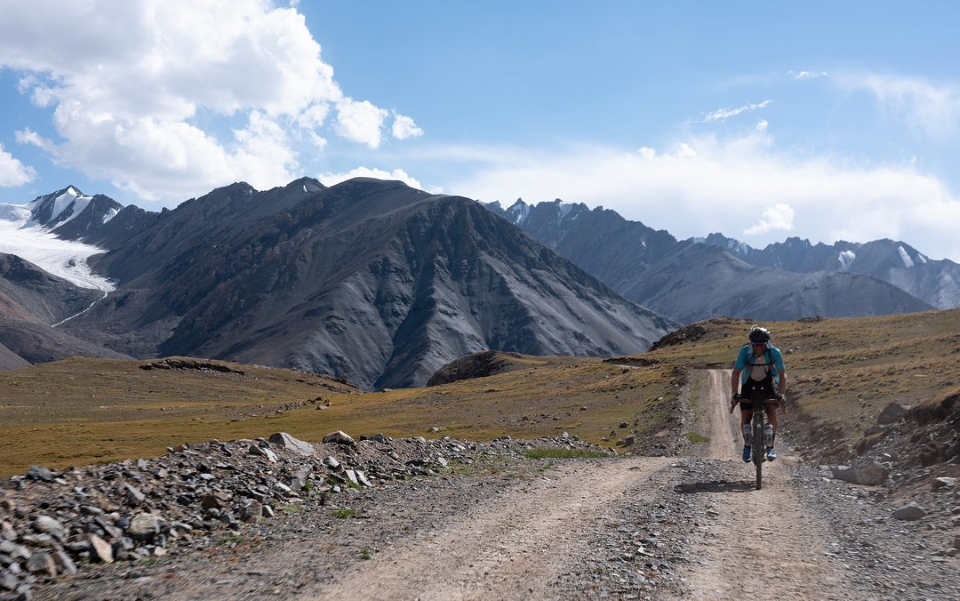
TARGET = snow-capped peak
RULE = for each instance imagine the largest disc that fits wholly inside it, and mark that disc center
(27, 231)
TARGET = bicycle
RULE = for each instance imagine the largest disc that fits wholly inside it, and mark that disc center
(760, 430)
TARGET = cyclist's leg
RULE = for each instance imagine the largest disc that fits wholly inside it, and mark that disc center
(772, 416)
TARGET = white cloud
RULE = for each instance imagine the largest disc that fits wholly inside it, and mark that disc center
(929, 108)
(762, 125)
(404, 127)
(724, 114)
(331, 179)
(12, 171)
(779, 217)
(28, 136)
(807, 74)
(143, 91)
(360, 122)
(704, 184)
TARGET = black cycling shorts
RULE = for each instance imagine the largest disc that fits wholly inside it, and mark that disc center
(765, 385)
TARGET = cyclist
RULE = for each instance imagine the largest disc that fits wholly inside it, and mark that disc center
(759, 366)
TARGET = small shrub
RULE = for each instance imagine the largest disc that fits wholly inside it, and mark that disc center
(695, 438)
(345, 513)
(364, 554)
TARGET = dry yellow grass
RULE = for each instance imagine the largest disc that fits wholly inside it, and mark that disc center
(843, 372)
(81, 411)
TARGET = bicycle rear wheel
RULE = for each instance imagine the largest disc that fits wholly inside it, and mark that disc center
(758, 448)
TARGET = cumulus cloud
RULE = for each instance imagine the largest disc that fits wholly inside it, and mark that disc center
(779, 217)
(331, 179)
(724, 114)
(12, 171)
(703, 184)
(145, 92)
(404, 127)
(360, 122)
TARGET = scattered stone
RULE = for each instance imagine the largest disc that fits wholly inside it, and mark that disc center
(48, 525)
(868, 473)
(41, 563)
(943, 482)
(134, 497)
(252, 512)
(891, 414)
(909, 512)
(339, 437)
(285, 441)
(332, 463)
(267, 511)
(40, 474)
(99, 549)
(144, 526)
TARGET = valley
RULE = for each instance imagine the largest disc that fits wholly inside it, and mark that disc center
(663, 519)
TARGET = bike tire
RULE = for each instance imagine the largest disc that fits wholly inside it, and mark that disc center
(758, 446)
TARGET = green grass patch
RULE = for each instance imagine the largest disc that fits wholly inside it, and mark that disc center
(345, 513)
(365, 554)
(697, 438)
(563, 454)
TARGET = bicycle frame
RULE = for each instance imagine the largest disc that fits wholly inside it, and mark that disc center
(757, 426)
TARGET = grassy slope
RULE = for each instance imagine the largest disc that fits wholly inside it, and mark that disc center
(843, 372)
(80, 411)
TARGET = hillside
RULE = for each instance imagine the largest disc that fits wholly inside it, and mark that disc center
(693, 280)
(369, 280)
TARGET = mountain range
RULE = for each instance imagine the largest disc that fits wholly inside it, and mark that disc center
(691, 280)
(368, 280)
(383, 284)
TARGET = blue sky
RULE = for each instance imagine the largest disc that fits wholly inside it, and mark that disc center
(823, 120)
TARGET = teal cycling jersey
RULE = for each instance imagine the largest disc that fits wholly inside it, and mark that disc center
(771, 358)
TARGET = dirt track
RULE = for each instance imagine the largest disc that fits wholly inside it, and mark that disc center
(788, 541)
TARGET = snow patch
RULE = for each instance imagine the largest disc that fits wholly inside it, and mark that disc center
(63, 258)
(846, 259)
(907, 261)
(565, 208)
(921, 258)
(110, 215)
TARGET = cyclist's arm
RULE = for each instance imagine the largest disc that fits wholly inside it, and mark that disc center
(782, 387)
(735, 381)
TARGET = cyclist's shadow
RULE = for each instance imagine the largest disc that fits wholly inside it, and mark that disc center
(714, 486)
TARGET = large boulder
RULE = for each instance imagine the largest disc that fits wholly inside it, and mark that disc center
(285, 441)
(909, 512)
(339, 437)
(867, 473)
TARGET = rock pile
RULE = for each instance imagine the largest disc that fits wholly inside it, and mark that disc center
(51, 522)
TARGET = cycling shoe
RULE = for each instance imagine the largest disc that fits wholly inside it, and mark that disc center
(746, 454)
(771, 454)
